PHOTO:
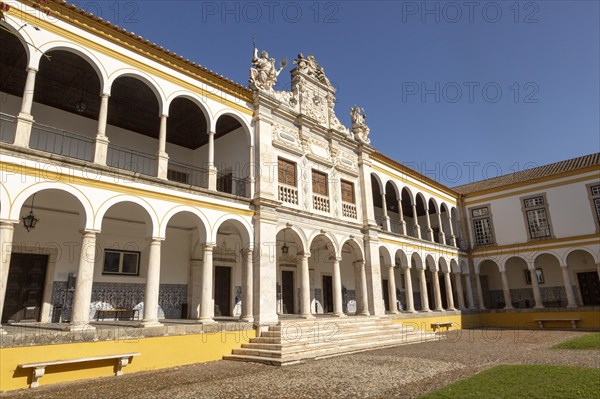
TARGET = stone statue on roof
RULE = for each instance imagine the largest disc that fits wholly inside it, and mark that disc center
(359, 125)
(263, 75)
(310, 66)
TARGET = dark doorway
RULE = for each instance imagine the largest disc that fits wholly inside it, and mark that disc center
(327, 294)
(287, 291)
(222, 291)
(442, 282)
(589, 287)
(386, 294)
(25, 287)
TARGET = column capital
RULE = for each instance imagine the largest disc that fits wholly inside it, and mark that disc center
(359, 263)
(303, 255)
(154, 240)
(163, 116)
(246, 251)
(104, 95)
(209, 246)
(7, 223)
(32, 69)
(336, 259)
(211, 133)
(564, 266)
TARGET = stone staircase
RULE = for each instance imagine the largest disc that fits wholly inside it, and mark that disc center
(295, 341)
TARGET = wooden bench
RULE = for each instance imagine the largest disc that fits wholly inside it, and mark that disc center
(39, 368)
(541, 321)
(436, 326)
(130, 313)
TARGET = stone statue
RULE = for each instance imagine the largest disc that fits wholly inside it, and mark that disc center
(359, 125)
(310, 66)
(264, 74)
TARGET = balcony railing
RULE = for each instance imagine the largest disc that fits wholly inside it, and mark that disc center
(288, 194)
(321, 203)
(227, 183)
(349, 210)
(61, 142)
(133, 161)
(8, 126)
(188, 174)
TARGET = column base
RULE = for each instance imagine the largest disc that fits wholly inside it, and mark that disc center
(247, 319)
(339, 315)
(451, 310)
(410, 311)
(508, 308)
(212, 178)
(425, 311)
(365, 313)
(162, 165)
(150, 324)
(23, 130)
(572, 306)
(206, 321)
(539, 307)
(438, 310)
(307, 316)
(101, 150)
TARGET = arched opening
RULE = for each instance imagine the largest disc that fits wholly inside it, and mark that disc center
(45, 259)
(125, 263)
(584, 269)
(491, 285)
(521, 286)
(228, 263)
(421, 217)
(186, 142)
(289, 249)
(354, 286)
(181, 275)
(390, 277)
(392, 205)
(433, 283)
(552, 286)
(406, 288)
(455, 221)
(66, 105)
(407, 211)
(133, 122)
(447, 289)
(422, 299)
(445, 228)
(13, 64)
(377, 194)
(232, 156)
(434, 218)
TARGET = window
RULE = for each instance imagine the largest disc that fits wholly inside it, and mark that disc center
(286, 172)
(121, 262)
(482, 226)
(347, 192)
(177, 176)
(536, 215)
(538, 272)
(594, 194)
(225, 183)
(319, 183)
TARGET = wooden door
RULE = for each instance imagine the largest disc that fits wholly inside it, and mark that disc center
(25, 287)
(590, 288)
(327, 294)
(222, 291)
(287, 291)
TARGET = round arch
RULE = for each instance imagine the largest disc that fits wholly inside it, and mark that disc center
(302, 241)
(418, 261)
(443, 265)
(328, 236)
(203, 224)
(430, 263)
(384, 253)
(235, 115)
(433, 201)
(392, 183)
(585, 250)
(240, 224)
(356, 247)
(379, 182)
(409, 193)
(478, 265)
(517, 258)
(454, 266)
(197, 100)
(144, 78)
(152, 228)
(401, 255)
(5, 202)
(87, 220)
(79, 51)
(23, 36)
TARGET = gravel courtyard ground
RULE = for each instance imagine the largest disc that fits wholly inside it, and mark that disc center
(400, 372)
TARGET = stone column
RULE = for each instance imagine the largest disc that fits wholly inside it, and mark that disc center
(437, 294)
(386, 218)
(459, 290)
(401, 216)
(247, 285)
(212, 170)
(101, 141)
(207, 309)
(479, 291)
(82, 298)
(424, 299)
(152, 285)
(304, 286)
(441, 235)
(338, 309)
(449, 296)
(162, 158)
(470, 300)
(25, 119)
(7, 230)
(392, 290)
(537, 295)
(452, 236)
(506, 291)
(571, 302)
(410, 303)
(428, 230)
(416, 227)
(196, 287)
(362, 288)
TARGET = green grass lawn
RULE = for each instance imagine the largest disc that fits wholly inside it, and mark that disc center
(588, 341)
(526, 381)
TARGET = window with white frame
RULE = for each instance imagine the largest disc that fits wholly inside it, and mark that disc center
(595, 198)
(482, 226)
(536, 214)
(121, 262)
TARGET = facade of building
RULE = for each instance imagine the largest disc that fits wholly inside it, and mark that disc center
(134, 179)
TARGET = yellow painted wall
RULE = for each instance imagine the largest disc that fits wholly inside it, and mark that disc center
(459, 322)
(589, 320)
(156, 353)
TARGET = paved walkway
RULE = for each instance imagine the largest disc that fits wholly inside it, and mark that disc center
(404, 371)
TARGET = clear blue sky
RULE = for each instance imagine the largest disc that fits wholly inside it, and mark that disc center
(460, 90)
